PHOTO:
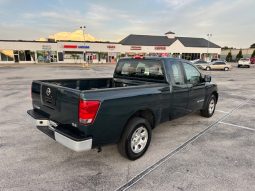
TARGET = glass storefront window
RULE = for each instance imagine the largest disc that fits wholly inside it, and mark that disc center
(22, 55)
(73, 55)
(190, 56)
(60, 56)
(45, 56)
(6, 55)
(27, 55)
(32, 54)
(40, 56)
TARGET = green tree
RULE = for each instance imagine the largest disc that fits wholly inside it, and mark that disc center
(239, 55)
(253, 54)
(226, 48)
(229, 57)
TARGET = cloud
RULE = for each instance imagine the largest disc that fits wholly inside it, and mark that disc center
(74, 36)
(177, 3)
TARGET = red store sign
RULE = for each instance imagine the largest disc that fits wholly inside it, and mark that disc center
(70, 46)
(135, 48)
(111, 46)
(160, 48)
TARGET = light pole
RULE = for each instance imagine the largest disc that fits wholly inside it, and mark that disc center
(209, 35)
(84, 53)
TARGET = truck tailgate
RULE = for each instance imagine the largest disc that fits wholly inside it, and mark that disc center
(59, 104)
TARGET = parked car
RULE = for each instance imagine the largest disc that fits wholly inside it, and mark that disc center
(198, 63)
(244, 62)
(88, 113)
(217, 65)
(193, 61)
(252, 59)
(214, 59)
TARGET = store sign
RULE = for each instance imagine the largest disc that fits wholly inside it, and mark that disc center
(135, 48)
(160, 48)
(46, 47)
(84, 47)
(111, 47)
(75, 46)
(70, 46)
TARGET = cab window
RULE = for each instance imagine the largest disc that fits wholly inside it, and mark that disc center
(140, 68)
(176, 70)
(192, 74)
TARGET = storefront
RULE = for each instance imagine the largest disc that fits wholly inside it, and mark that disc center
(106, 52)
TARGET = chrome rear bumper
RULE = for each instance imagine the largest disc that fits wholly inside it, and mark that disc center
(69, 140)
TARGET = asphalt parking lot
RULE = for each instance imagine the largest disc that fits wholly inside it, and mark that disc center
(190, 153)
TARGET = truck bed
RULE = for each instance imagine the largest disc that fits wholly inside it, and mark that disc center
(56, 99)
(94, 83)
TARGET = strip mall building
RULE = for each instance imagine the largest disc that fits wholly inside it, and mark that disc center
(13, 51)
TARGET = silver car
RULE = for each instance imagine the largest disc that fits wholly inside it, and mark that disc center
(217, 65)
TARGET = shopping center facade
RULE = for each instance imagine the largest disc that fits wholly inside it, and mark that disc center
(18, 51)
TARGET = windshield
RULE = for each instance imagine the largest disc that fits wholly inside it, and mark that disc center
(143, 69)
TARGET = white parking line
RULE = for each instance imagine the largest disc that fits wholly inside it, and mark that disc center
(221, 111)
(148, 170)
(240, 126)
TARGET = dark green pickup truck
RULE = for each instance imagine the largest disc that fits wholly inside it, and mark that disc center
(82, 114)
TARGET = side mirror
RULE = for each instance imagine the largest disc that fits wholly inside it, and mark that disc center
(207, 78)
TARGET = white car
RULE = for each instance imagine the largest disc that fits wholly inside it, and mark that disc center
(244, 62)
(193, 61)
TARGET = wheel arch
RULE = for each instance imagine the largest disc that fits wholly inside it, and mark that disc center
(215, 93)
(144, 113)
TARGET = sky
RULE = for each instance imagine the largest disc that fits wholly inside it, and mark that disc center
(231, 22)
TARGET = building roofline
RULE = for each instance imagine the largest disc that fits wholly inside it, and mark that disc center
(169, 32)
(59, 41)
(26, 41)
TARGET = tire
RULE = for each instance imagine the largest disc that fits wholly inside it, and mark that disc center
(209, 109)
(207, 68)
(238, 66)
(135, 139)
(226, 69)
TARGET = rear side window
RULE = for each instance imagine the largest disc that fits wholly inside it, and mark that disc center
(147, 69)
(219, 63)
(176, 70)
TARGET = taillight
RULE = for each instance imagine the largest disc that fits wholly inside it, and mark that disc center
(88, 111)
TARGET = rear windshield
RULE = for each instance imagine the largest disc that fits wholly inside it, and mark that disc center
(141, 69)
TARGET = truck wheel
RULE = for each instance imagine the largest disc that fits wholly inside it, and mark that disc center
(209, 109)
(135, 139)
(226, 69)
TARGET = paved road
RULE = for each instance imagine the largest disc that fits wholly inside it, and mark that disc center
(190, 153)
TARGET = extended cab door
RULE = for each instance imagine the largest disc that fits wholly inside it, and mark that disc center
(196, 85)
(179, 91)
